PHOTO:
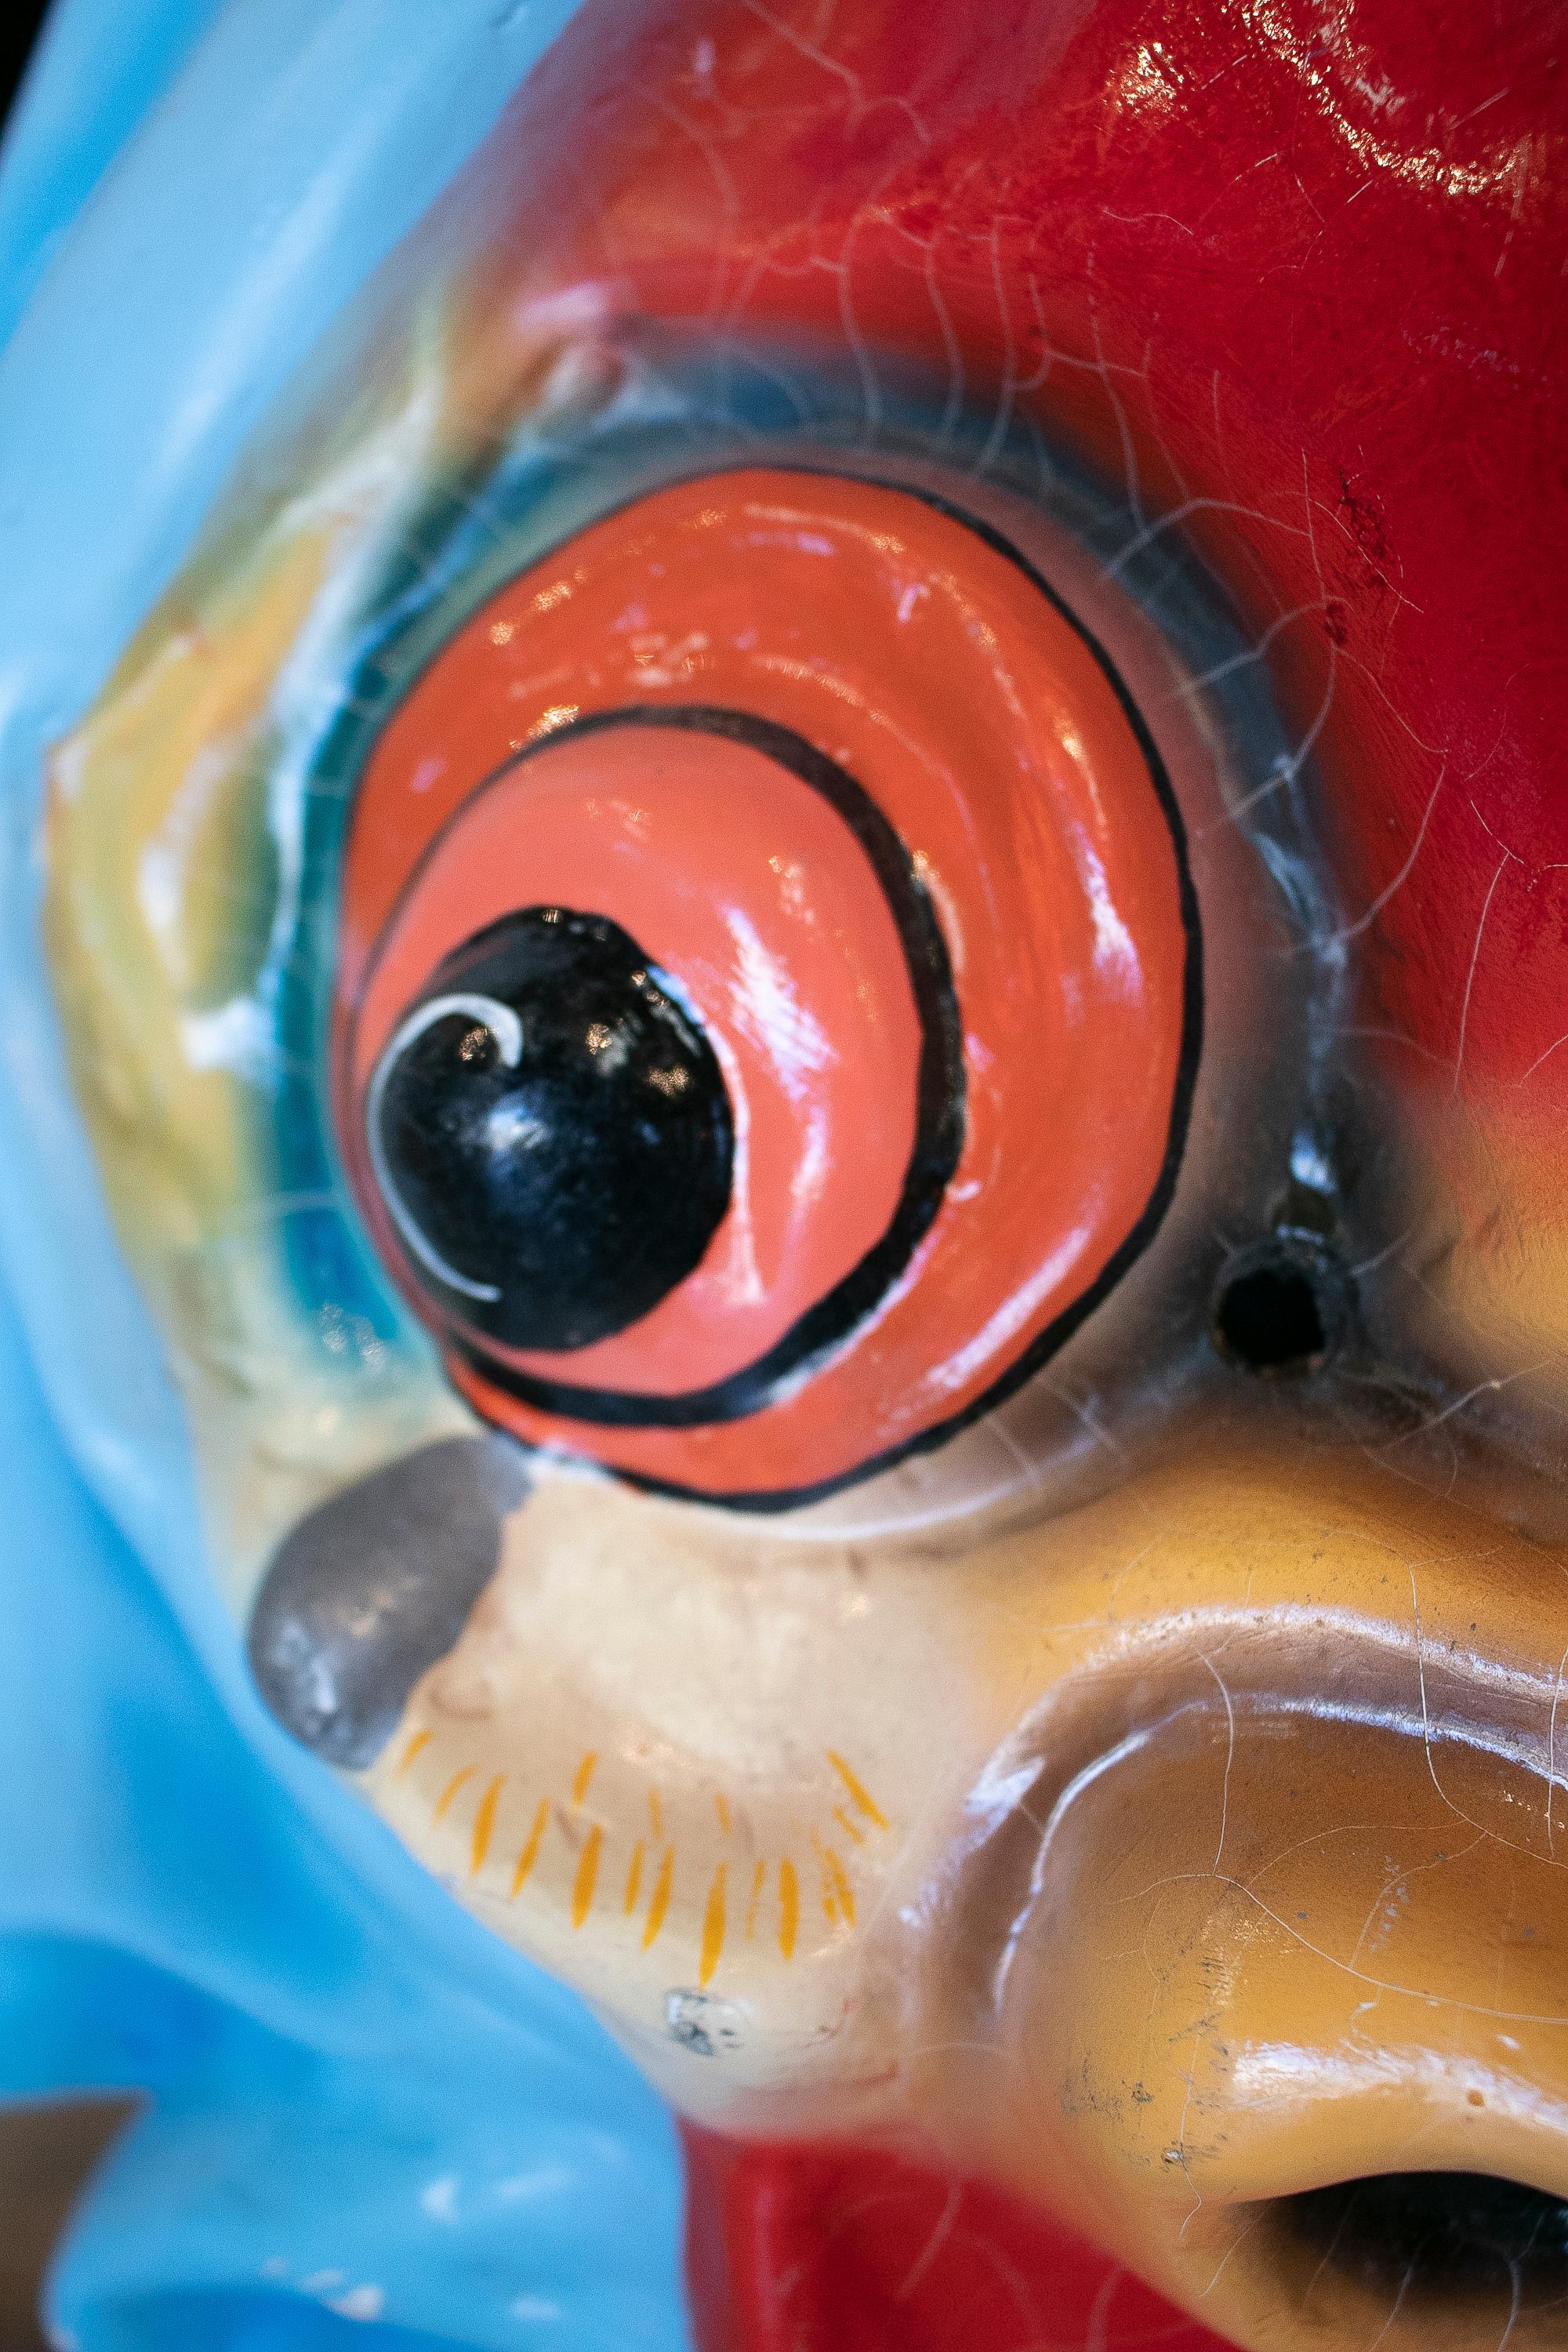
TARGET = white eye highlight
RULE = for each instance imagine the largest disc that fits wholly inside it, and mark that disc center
(489, 1013)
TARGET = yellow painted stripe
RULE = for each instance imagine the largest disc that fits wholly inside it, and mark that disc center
(655, 1815)
(829, 1906)
(721, 1807)
(859, 1795)
(452, 1787)
(660, 1903)
(529, 1855)
(587, 1875)
(585, 1774)
(418, 1742)
(847, 1826)
(844, 1893)
(484, 1824)
(789, 1908)
(634, 1880)
(712, 1928)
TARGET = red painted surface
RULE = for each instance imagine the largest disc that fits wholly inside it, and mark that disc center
(1305, 264)
(825, 2249)
(1301, 268)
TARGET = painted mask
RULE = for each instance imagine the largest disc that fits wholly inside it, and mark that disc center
(818, 965)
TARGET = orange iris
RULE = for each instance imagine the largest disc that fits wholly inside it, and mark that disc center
(879, 813)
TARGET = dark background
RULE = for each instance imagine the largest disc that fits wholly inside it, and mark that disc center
(16, 38)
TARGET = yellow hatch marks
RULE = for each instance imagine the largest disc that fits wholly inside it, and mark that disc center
(458, 1780)
(634, 1881)
(529, 1855)
(859, 1796)
(853, 1818)
(484, 1824)
(660, 1903)
(843, 1893)
(587, 1875)
(789, 1908)
(712, 1928)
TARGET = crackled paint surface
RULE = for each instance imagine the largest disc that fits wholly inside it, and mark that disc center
(1137, 1811)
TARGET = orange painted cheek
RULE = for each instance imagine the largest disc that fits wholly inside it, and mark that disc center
(881, 817)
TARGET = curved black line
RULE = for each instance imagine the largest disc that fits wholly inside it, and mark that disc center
(938, 1093)
(1056, 1335)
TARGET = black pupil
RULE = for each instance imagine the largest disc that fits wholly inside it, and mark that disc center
(572, 1188)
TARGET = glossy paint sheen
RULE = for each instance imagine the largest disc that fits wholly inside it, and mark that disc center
(1208, 1841)
(1303, 273)
(985, 729)
(308, 2060)
(738, 878)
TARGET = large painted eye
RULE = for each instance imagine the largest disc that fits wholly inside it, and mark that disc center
(768, 997)
(550, 1132)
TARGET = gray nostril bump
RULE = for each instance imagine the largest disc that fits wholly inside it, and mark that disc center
(373, 1586)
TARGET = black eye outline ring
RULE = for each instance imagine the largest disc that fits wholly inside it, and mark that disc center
(939, 1092)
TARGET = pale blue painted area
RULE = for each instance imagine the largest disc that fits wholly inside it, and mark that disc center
(359, 2094)
(373, 2124)
(97, 69)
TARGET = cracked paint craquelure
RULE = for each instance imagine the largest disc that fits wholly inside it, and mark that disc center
(818, 964)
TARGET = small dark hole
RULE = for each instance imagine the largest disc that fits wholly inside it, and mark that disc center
(1436, 2233)
(1277, 1310)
